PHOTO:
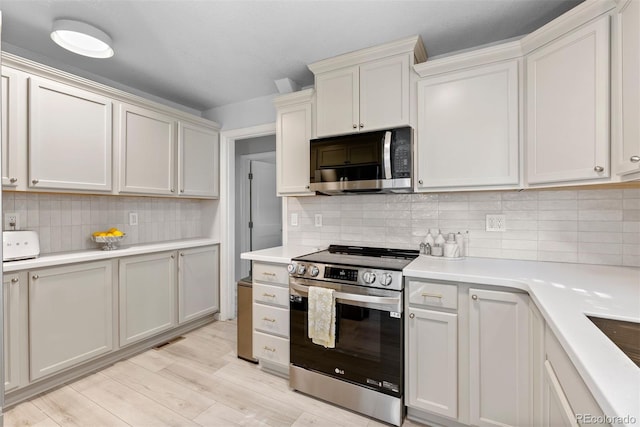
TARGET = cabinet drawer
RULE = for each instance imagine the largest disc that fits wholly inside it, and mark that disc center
(271, 348)
(433, 294)
(267, 294)
(272, 320)
(270, 273)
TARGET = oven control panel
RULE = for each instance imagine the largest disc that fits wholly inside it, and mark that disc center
(375, 278)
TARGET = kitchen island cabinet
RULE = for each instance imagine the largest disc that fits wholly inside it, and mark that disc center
(70, 137)
(70, 316)
(147, 296)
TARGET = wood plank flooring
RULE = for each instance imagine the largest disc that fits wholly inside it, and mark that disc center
(197, 381)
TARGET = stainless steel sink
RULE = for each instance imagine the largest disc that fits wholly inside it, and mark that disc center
(626, 335)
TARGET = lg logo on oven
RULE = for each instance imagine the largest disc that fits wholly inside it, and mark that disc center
(339, 371)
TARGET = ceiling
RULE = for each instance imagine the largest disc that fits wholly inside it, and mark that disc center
(208, 53)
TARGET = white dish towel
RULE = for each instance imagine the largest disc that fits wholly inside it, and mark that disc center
(322, 317)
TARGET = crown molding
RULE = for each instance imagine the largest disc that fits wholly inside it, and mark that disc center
(299, 97)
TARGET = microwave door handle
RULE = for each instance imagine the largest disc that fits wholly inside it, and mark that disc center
(367, 299)
(386, 155)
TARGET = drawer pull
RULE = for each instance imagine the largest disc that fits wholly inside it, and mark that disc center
(430, 295)
(266, 273)
(266, 319)
(269, 295)
(272, 350)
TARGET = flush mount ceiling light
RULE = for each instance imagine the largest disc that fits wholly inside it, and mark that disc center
(81, 38)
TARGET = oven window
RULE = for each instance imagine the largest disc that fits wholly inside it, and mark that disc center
(369, 346)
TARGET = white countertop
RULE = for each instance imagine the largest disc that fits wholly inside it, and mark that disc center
(279, 254)
(60, 258)
(564, 293)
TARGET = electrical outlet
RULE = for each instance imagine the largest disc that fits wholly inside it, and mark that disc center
(11, 221)
(133, 218)
(294, 219)
(318, 219)
(496, 223)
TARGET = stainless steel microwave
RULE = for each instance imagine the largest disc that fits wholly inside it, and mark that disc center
(368, 162)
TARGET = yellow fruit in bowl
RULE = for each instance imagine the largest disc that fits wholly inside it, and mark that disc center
(102, 234)
(118, 233)
(111, 230)
(96, 233)
(109, 234)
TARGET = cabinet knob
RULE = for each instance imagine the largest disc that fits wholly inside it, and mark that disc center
(632, 159)
(35, 181)
(173, 256)
(307, 187)
(474, 297)
(181, 253)
(35, 277)
(15, 280)
(355, 126)
(411, 316)
(420, 182)
(598, 169)
(12, 180)
(182, 190)
(361, 125)
(173, 190)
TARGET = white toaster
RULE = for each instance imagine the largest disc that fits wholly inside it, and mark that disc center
(20, 245)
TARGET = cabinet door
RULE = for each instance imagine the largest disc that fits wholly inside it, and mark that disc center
(293, 132)
(198, 283)
(628, 90)
(568, 107)
(147, 151)
(499, 385)
(69, 137)
(337, 102)
(147, 296)
(13, 128)
(468, 128)
(11, 300)
(432, 377)
(384, 93)
(198, 161)
(556, 409)
(70, 316)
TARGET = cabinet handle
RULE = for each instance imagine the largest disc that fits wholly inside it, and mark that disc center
(266, 273)
(420, 182)
(269, 295)
(35, 181)
(632, 159)
(355, 126)
(266, 319)
(411, 316)
(13, 180)
(474, 297)
(361, 125)
(598, 169)
(15, 280)
(35, 277)
(272, 350)
(427, 294)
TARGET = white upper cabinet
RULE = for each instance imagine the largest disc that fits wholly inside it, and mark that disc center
(468, 126)
(147, 151)
(294, 129)
(567, 109)
(69, 137)
(366, 90)
(14, 171)
(626, 123)
(198, 161)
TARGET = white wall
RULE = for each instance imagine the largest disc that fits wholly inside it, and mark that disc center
(586, 226)
(257, 111)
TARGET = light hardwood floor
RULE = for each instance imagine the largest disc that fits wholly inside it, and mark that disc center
(197, 381)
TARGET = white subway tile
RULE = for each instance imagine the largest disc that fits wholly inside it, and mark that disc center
(631, 260)
(557, 256)
(631, 249)
(612, 226)
(631, 193)
(521, 224)
(631, 226)
(631, 238)
(424, 215)
(527, 245)
(599, 248)
(520, 195)
(557, 246)
(453, 206)
(520, 215)
(482, 196)
(631, 215)
(599, 194)
(558, 195)
(520, 235)
(600, 215)
(424, 206)
(558, 215)
(486, 243)
(424, 197)
(484, 252)
(392, 223)
(447, 215)
(600, 204)
(491, 206)
(557, 205)
(599, 237)
(520, 205)
(520, 254)
(597, 258)
(631, 204)
(453, 224)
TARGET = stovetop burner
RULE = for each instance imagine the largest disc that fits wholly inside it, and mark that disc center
(374, 252)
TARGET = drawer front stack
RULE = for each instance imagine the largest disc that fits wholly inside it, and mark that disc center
(271, 316)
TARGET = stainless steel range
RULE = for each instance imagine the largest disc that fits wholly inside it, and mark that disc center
(364, 370)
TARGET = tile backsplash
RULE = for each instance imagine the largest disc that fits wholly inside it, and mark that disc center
(585, 226)
(65, 222)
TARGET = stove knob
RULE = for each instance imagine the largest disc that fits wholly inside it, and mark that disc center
(369, 277)
(301, 269)
(292, 268)
(314, 271)
(386, 279)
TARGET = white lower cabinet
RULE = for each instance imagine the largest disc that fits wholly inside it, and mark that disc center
(198, 283)
(70, 316)
(432, 362)
(147, 296)
(556, 408)
(11, 300)
(499, 374)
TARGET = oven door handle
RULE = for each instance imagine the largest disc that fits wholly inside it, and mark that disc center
(367, 299)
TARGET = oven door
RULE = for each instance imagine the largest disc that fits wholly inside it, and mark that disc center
(369, 336)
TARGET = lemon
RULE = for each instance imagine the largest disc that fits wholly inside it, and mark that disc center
(111, 230)
(102, 234)
(96, 233)
(118, 233)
